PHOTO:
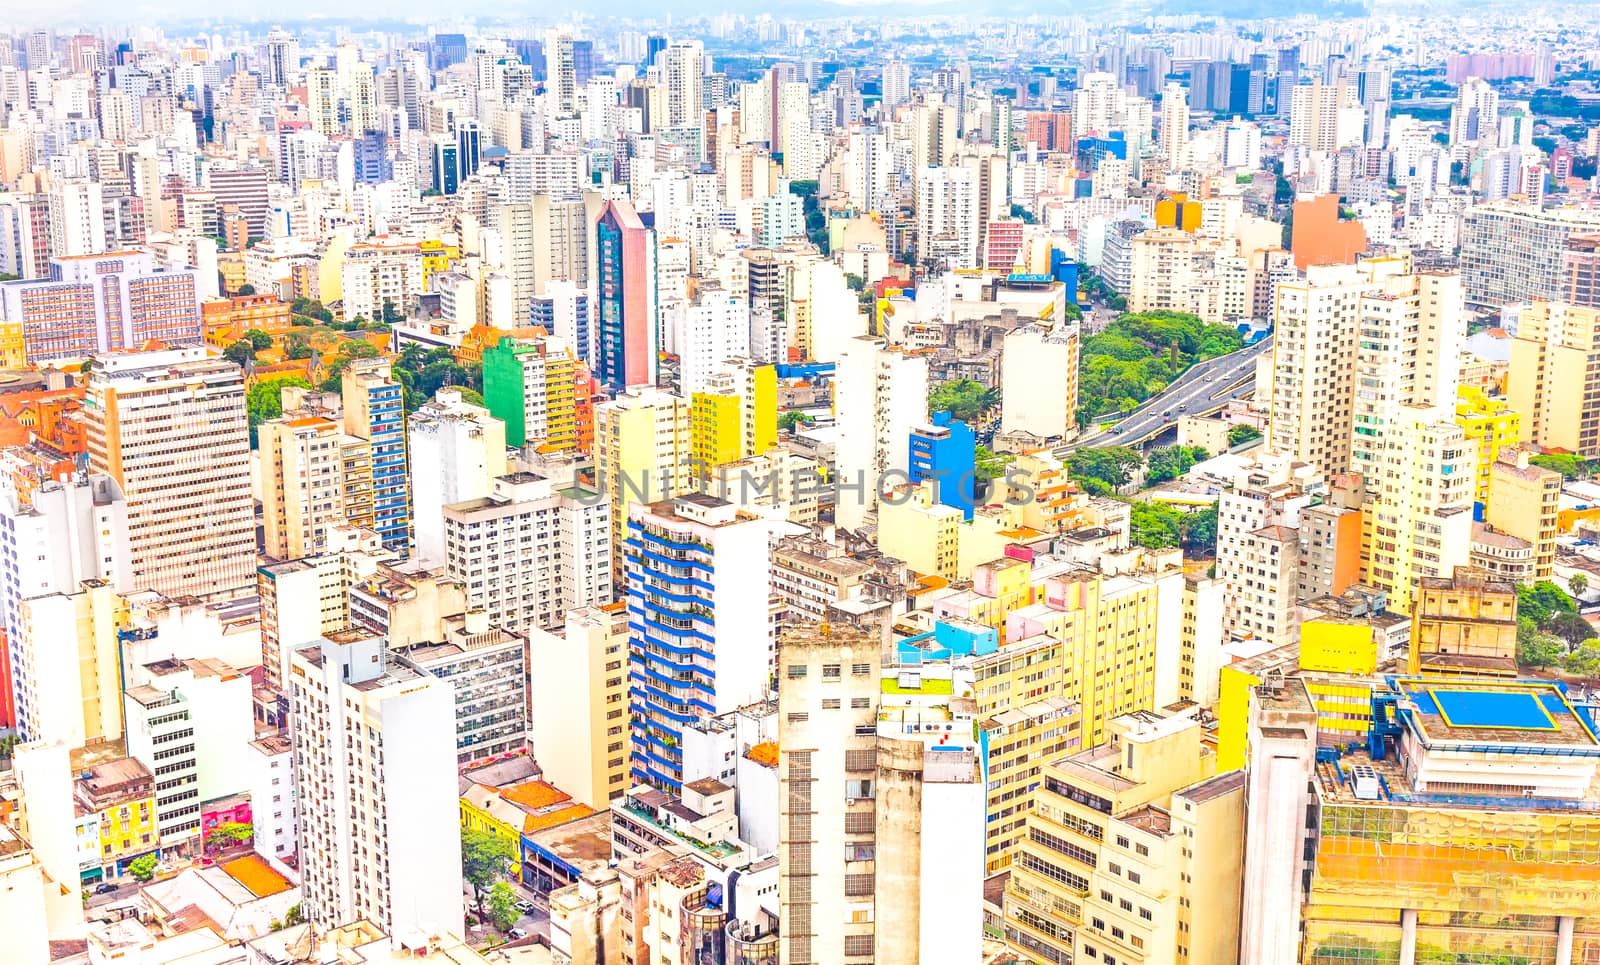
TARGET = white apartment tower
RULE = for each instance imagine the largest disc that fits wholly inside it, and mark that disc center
(879, 394)
(375, 768)
(457, 451)
(529, 552)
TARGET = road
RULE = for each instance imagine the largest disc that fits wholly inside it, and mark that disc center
(1206, 387)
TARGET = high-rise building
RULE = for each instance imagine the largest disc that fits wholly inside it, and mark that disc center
(1326, 117)
(1134, 851)
(948, 218)
(1525, 502)
(1174, 124)
(863, 874)
(1513, 253)
(698, 577)
(65, 665)
(530, 385)
(112, 302)
(529, 552)
(1580, 270)
(682, 73)
(486, 666)
(1043, 405)
(374, 413)
(302, 483)
(880, 392)
(561, 79)
(1419, 518)
(629, 322)
(1474, 117)
(379, 826)
(896, 83)
(644, 447)
(580, 731)
(1555, 372)
(457, 451)
(170, 428)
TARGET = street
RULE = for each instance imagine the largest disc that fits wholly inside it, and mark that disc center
(1206, 387)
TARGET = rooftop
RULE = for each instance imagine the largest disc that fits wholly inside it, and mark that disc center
(1479, 712)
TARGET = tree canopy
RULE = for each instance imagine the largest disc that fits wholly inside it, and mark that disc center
(1140, 354)
(265, 400)
(1111, 466)
(485, 859)
(964, 399)
(1172, 462)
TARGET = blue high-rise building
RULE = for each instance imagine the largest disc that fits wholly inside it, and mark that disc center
(945, 453)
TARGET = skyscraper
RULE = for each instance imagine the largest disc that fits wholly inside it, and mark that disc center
(374, 412)
(629, 329)
(170, 428)
(698, 577)
(375, 765)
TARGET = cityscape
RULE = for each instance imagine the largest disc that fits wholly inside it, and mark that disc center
(818, 484)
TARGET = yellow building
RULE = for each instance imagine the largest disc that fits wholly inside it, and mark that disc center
(582, 690)
(1525, 501)
(1336, 644)
(12, 354)
(1471, 838)
(1133, 853)
(1491, 425)
(718, 431)
(923, 533)
(121, 793)
(643, 447)
(436, 258)
(68, 667)
(302, 483)
(1342, 700)
(1465, 625)
(513, 810)
(1555, 358)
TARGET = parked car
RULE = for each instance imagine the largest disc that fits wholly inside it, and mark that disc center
(517, 933)
(526, 907)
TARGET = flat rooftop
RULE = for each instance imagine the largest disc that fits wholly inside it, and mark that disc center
(1482, 712)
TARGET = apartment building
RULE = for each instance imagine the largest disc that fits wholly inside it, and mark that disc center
(580, 732)
(1525, 503)
(643, 446)
(1513, 253)
(379, 830)
(487, 667)
(380, 275)
(302, 483)
(116, 301)
(170, 428)
(1039, 380)
(529, 552)
(1133, 852)
(457, 451)
(530, 384)
(1554, 380)
(374, 413)
(698, 578)
(1464, 625)
(880, 393)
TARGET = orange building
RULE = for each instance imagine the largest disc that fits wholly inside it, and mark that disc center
(1320, 238)
(1178, 210)
(46, 415)
(225, 320)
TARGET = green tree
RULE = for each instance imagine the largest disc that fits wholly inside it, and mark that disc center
(240, 352)
(297, 346)
(855, 281)
(1154, 526)
(485, 859)
(246, 289)
(1569, 626)
(295, 915)
(1112, 466)
(1584, 660)
(1568, 465)
(964, 399)
(1542, 601)
(1578, 584)
(1198, 531)
(789, 420)
(1172, 462)
(503, 911)
(265, 400)
(991, 464)
(143, 868)
(1535, 648)
(1239, 435)
(258, 339)
(391, 314)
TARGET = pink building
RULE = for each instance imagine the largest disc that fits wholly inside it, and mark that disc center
(626, 266)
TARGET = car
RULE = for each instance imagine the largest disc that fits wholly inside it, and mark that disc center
(517, 933)
(1183, 406)
(526, 907)
(1116, 430)
(1166, 412)
(105, 888)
